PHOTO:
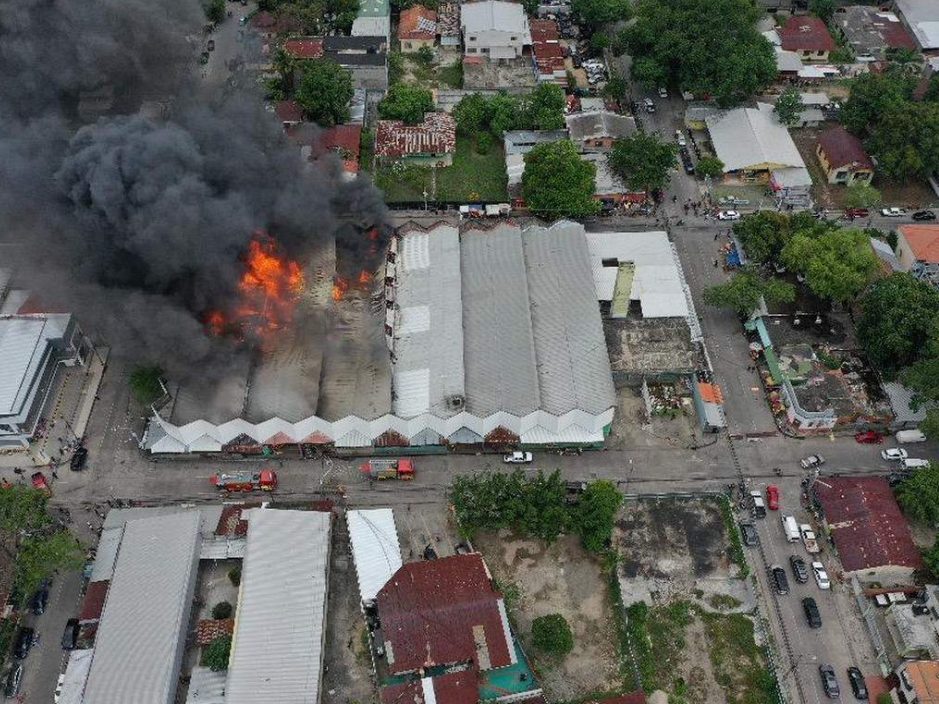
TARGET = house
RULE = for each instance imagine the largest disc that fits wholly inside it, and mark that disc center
(288, 112)
(922, 19)
(813, 111)
(417, 28)
(547, 52)
(608, 187)
(808, 37)
(365, 57)
(430, 143)
(870, 532)
(518, 143)
(917, 682)
(843, 158)
(373, 19)
(345, 142)
(495, 29)
(914, 632)
(871, 32)
(595, 131)
(268, 26)
(918, 251)
(459, 687)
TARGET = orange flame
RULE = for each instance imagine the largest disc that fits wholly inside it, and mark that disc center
(340, 286)
(364, 278)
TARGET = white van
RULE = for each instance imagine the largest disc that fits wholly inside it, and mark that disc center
(914, 463)
(907, 436)
(790, 528)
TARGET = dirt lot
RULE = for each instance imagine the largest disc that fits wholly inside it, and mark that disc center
(540, 579)
(632, 429)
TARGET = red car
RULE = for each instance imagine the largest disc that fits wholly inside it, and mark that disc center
(851, 213)
(772, 497)
(40, 483)
(869, 437)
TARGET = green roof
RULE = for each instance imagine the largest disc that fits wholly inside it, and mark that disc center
(374, 8)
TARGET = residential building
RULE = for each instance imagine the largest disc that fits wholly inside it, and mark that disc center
(268, 26)
(417, 29)
(547, 52)
(373, 20)
(495, 29)
(365, 57)
(345, 142)
(807, 36)
(596, 130)
(609, 188)
(843, 158)
(288, 112)
(914, 633)
(869, 531)
(872, 32)
(430, 143)
(460, 687)
(918, 682)
(375, 550)
(918, 251)
(517, 144)
(922, 19)
(448, 23)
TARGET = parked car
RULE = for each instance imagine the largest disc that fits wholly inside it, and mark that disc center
(23, 642)
(892, 212)
(812, 461)
(924, 215)
(894, 454)
(79, 457)
(869, 437)
(829, 681)
(758, 505)
(914, 463)
(680, 138)
(650, 106)
(799, 570)
(11, 687)
(750, 536)
(858, 686)
(852, 213)
(821, 576)
(780, 581)
(812, 614)
(40, 600)
(210, 45)
(663, 92)
(728, 215)
(70, 636)
(517, 458)
(772, 497)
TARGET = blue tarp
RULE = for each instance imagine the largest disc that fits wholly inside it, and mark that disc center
(732, 259)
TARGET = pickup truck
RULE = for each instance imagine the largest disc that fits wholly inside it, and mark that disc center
(808, 538)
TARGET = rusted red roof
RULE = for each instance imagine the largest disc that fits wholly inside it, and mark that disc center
(93, 602)
(230, 523)
(288, 111)
(435, 135)
(417, 22)
(209, 629)
(805, 33)
(346, 141)
(866, 523)
(843, 149)
(310, 48)
(444, 612)
(546, 47)
(452, 688)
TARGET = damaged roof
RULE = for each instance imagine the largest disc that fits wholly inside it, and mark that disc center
(435, 136)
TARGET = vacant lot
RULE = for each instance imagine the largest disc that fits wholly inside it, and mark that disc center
(540, 579)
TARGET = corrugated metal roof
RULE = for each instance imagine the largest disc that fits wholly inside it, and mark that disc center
(139, 644)
(375, 549)
(206, 687)
(277, 650)
(495, 15)
(76, 674)
(748, 137)
(23, 341)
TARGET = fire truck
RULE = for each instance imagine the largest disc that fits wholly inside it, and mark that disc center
(389, 469)
(265, 480)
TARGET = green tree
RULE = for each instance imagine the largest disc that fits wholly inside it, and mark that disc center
(873, 96)
(763, 235)
(918, 495)
(214, 11)
(595, 514)
(42, 554)
(222, 610)
(425, 56)
(789, 107)
(931, 561)
(702, 46)
(22, 509)
(899, 316)
(551, 634)
(932, 90)
(710, 166)
(906, 141)
(505, 114)
(324, 92)
(593, 14)
(743, 291)
(930, 424)
(823, 9)
(472, 114)
(543, 108)
(643, 161)
(234, 576)
(216, 654)
(861, 194)
(557, 183)
(837, 264)
(145, 384)
(407, 103)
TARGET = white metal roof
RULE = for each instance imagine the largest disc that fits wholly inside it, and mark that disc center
(206, 687)
(923, 18)
(139, 644)
(495, 15)
(280, 622)
(23, 342)
(746, 137)
(375, 549)
(76, 674)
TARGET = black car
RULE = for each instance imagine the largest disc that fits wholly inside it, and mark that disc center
(70, 636)
(857, 683)
(924, 215)
(799, 570)
(11, 687)
(750, 536)
(780, 581)
(812, 614)
(23, 642)
(78, 459)
(40, 600)
(829, 681)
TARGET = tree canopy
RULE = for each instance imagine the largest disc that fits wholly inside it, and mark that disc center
(215, 655)
(702, 46)
(861, 194)
(40, 555)
(593, 14)
(823, 9)
(406, 103)
(905, 141)
(214, 10)
(551, 634)
(742, 293)
(542, 109)
(873, 95)
(918, 495)
(643, 161)
(899, 316)
(314, 17)
(789, 107)
(557, 182)
(324, 92)
(595, 513)
(709, 166)
(837, 264)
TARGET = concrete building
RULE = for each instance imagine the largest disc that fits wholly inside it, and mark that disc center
(872, 32)
(517, 143)
(417, 29)
(922, 19)
(843, 158)
(918, 251)
(373, 20)
(495, 29)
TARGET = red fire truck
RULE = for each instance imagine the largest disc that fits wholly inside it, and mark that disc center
(265, 480)
(389, 469)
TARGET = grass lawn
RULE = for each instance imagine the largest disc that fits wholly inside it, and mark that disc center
(431, 75)
(739, 665)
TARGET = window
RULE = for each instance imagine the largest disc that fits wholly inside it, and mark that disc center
(841, 175)
(472, 39)
(514, 39)
(610, 262)
(821, 53)
(471, 50)
(484, 50)
(407, 45)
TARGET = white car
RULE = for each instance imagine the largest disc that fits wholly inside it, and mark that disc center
(680, 138)
(663, 93)
(812, 461)
(892, 212)
(821, 576)
(728, 215)
(517, 458)
(894, 454)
